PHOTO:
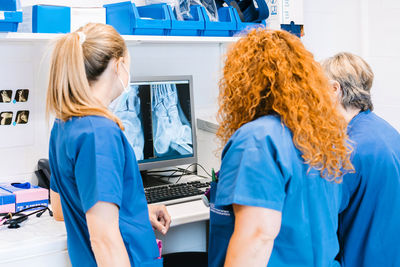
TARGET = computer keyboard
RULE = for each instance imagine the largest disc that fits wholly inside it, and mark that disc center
(176, 193)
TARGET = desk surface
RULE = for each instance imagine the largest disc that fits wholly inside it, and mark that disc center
(39, 236)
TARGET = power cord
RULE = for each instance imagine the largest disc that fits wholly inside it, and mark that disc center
(181, 172)
(185, 171)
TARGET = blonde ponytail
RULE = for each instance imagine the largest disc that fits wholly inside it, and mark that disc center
(75, 64)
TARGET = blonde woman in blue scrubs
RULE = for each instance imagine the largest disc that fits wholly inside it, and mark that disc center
(94, 169)
(370, 220)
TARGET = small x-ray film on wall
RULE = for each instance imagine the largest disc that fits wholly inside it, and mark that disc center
(5, 96)
(6, 118)
(17, 105)
(21, 95)
(22, 117)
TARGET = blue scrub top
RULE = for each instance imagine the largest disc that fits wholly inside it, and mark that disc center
(369, 226)
(261, 167)
(91, 161)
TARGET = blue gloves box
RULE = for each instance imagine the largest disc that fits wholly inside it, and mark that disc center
(24, 195)
(7, 201)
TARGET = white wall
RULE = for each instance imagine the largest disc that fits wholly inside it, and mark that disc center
(332, 26)
(365, 27)
(368, 28)
(384, 55)
(25, 64)
(22, 145)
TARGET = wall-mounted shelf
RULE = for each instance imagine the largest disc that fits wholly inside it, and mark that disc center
(41, 37)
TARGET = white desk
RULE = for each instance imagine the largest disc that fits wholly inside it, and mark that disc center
(37, 243)
(43, 241)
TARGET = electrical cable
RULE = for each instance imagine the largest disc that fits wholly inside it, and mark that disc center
(161, 171)
(191, 172)
(182, 172)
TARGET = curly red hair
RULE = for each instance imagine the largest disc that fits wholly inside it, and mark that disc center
(271, 72)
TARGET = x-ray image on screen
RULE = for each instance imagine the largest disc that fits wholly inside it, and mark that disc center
(171, 129)
(128, 110)
(157, 120)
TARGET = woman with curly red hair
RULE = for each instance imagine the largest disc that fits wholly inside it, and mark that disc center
(278, 193)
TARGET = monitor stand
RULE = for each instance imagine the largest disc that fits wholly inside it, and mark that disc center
(149, 180)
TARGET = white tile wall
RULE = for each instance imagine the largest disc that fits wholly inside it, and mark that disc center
(332, 26)
(370, 28)
(384, 56)
(385, 90)
(365, 27)
(25, 65)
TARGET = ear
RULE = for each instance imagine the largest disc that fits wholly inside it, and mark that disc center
(337, 91)
(116, 65)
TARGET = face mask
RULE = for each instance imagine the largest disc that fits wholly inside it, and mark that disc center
(127, 88)
(114, 105)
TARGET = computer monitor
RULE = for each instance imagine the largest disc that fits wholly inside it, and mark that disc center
(159, 121)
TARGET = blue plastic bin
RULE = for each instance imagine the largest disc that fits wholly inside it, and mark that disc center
(8, 5)
(9, 20)
(225, 27)
(126, 18)
(292, 28)
(9, 16)
(245, 26)
(194, 27)
(51, 19)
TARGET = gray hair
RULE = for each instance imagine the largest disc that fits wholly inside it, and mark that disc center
(355, 77)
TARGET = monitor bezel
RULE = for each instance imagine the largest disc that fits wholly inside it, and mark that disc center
(180, 161)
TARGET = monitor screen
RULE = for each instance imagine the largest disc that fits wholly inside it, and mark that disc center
(157, 114)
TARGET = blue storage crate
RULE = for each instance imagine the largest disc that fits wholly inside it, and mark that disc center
(126, 18)
(245, 26)
(9, 17)
(9, 20)
(225, 27)
(292, 28)
(51, 19)
(9, 5)
(194, 27)
(120, 16)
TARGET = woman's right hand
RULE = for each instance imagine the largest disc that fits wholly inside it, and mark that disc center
(159, 218)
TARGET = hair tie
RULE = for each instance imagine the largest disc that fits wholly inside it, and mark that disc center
(82, 37)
